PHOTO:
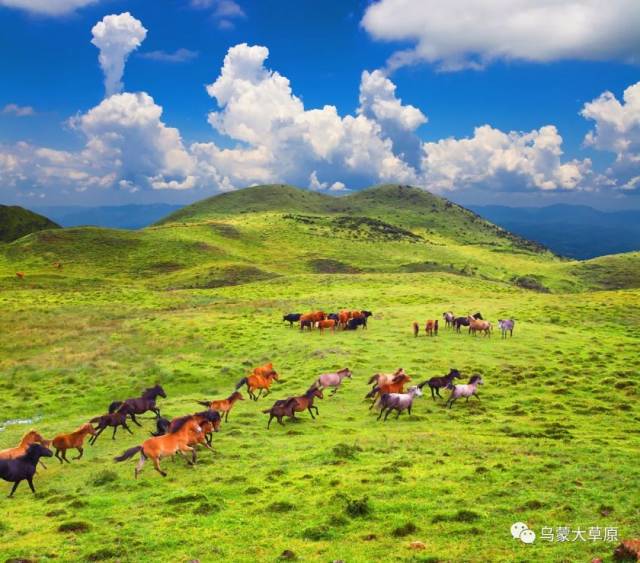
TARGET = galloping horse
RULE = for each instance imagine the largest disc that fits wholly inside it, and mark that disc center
(437, 383)
(398, 402)
(332, 380)
(261, 378)
(115, 419)
(64, 442)
(395, 386)
(208, 420)
(223, 405)
(382, 378)
(187, 431)
(23, 467)
(31, 437)
(140, 405)
(303, 402)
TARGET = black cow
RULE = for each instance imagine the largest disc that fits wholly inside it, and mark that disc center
(292, 318)
(353, 324)
(333, 317)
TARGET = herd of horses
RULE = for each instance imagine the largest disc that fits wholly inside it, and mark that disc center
(345, 320)
(475, 323)
(181, 435)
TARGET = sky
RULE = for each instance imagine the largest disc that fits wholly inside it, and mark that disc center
(512, 102)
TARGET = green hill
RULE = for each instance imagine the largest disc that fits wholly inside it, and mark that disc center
(16, 222)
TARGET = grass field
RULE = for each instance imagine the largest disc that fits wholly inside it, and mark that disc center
(553, 441)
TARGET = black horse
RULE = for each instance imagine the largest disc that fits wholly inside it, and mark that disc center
(140, 405)
(459, 322)
(23, 468)
(437, 383)
(113, 419)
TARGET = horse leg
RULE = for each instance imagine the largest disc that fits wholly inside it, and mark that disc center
(335, 390)
(156, 465)
(30, 481)
(433, 392)
(80, 453)
(451, 402)
(269, 423)
(226, 416)
(381, 412)
(311, 412)
(280, 421)
(126, 427)
(43, 465)
(113, 437)
(140, 465)
(134, 420)
(13, 490)
(387, 414)
(58, 455)
(438, 392)
(409, 410)
(476, 396)
(64, 456)
(267, 391)
(94, 438)
(316, 409)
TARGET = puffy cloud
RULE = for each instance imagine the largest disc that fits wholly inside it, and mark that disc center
(472, 33)
(317, 185)
(503, 161)
(617, 130)
(178, 56)
(48, 7)
(117, 36)
(223, 11)
(18, 111)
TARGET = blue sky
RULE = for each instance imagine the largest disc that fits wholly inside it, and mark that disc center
(449, 81)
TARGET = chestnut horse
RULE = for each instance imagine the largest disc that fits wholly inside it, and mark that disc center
(31, 437)
(476, 325)
(261, 378)
(382, 378)
(64, 442)
(304, 402)
(223, 405)
(208, 420)
(416, 329)
(187, 431)
(395, 386)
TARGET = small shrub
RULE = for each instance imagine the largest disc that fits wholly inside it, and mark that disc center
(317, 533)
(102, 555)
(187, 499)
(405, 530)
(74, 527)
(345, 451)
(280, 506)
(104, 478)
(358, 507)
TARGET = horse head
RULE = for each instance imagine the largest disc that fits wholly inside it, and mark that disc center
(35, 451)
(88, 428)
(454, 373)
(415, 391)
(476, 379)
(345, 372)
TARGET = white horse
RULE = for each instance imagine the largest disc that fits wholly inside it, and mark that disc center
(398, 401)
(332, 380)
(466, 390)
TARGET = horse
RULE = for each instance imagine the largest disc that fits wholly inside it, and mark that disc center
(187, 431)
(328, 324)
(140, 405)
(479, 326)
(398, 402)
(115, 419)
(381, 378)
(31, 437)
(223, 405)
(64, 442)
(258, 381)
(437, 383)
(448, 317)
(416, 329)
(464, 321)
(20, 275)
(304, 402)
(23, 467)
(332, 380)
(506, 325)
(431, 328)
(209, 422)
(395, 386)
(279, 410)
(162, 426)
(291, 318)
(467, 390)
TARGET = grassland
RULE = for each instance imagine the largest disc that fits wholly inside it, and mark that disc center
(194, 304)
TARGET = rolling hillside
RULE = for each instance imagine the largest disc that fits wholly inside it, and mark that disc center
(16, 222)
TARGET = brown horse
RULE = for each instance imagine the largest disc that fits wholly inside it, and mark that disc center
(223, 405)
(114, 419)
(395, 386)
(260, 381)
(431, 328)
(477, 325)
(208, 420)
(64, 442)
(304, 402)
(382, 378)
(416, 329)
(31, 437)
(187, 431)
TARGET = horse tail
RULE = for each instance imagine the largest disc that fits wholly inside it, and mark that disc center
(113, 407)
(205, 403)
(129, 453)
(241, 383)
(266, 411)
(421, 385)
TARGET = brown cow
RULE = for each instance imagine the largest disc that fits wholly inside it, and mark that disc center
(431, 328)
(330, 324)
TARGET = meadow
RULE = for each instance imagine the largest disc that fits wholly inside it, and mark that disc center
(552, 441)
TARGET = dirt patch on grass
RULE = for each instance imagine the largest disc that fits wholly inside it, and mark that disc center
(225, 230)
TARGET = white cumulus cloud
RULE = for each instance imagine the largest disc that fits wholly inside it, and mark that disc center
(48, 7)
(117, 36)
(461, 34)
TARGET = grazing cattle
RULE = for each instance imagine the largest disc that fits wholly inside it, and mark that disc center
(332, 380)
(31, 437)
(467, 390)
(396, 385)
(343, 318)
(115, 419)
(187, 432)
(261, 379)
(23, 468)
(223, 405)
(291, 318)
(334, 317)
(328, 324)
(209, 422)
(20, 275)
(506, 325)
(398, 402)
(367, 314)
(476, 326)
(448, 317)
(437, 383)
(74, 440)
(416, 329)
(306, 324)
(140, 405)
(353, 324)
(431, 327)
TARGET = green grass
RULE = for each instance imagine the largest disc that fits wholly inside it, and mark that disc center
(16, 222)
(553, 440)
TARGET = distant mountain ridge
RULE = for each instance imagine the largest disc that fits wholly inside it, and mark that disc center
(16, 222)
(574, 231)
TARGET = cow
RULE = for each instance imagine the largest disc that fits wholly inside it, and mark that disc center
(291, 318)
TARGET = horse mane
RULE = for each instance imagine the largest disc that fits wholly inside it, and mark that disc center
(474, 378)
(180, 422)
(209, 415)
